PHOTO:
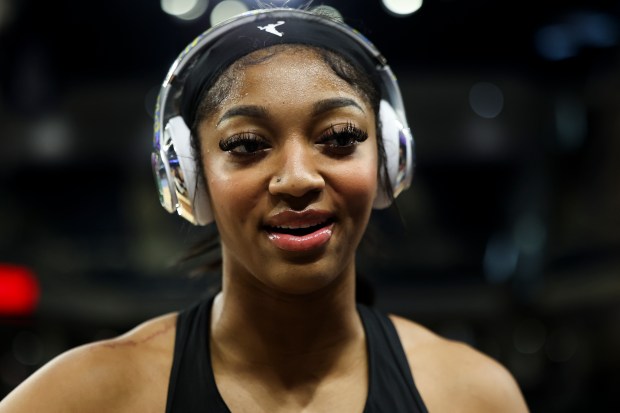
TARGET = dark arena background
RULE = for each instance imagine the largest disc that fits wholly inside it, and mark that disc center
(509, 238)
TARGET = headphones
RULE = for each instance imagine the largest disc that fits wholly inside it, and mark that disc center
(180, 186)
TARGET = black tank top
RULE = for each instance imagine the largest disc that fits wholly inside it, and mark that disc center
(192, 386)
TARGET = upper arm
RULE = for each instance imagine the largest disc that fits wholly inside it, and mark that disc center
(126, 374)
(75, 381)
(488, 386)
(452, 376)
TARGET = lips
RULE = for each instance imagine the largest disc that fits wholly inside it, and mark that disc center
(300, 230)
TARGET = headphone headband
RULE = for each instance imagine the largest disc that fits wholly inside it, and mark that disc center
(204, 59)
(265, 30)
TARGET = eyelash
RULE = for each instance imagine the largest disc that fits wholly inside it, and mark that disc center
(350, 132)
(243, 139)
(255, 145)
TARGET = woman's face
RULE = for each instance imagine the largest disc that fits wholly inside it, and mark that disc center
(290, 159)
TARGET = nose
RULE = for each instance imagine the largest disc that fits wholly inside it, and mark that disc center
(296, 173)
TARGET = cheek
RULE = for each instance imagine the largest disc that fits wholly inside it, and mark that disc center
(221, 190)
(232, 193)
(358, 183)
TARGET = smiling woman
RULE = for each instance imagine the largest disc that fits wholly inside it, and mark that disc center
(290, 158)
(284, 129)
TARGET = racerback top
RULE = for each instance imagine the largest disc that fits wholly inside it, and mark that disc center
(192, 387)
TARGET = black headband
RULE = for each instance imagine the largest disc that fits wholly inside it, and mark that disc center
(265, 31)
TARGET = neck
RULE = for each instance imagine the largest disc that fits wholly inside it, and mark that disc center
(253, 326)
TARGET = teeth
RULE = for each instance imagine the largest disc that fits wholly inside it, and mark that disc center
(302, 226)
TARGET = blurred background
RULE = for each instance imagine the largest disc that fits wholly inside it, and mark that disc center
(509, 238)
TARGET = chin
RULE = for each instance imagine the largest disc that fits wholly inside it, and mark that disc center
(304, 279)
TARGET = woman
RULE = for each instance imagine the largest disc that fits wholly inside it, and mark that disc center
(285, 128)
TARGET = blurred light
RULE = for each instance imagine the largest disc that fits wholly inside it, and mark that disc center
(577, 30)
(402, 7)
(486, 100)
(226, 10)
(6, 13)
(185, 9)
(571, 122)
(19, 290)
(27, 348)
(485, 138)
(530, 234)
(329, 11)
(529, 336)
(554, 43)
(176, 7)
(595, 29)
(500, 259)
(51, 138)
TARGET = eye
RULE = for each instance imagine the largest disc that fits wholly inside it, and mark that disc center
(244, 144)
(342, 139)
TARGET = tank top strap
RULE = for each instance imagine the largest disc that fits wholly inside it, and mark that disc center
(192, 387)
(391, 387)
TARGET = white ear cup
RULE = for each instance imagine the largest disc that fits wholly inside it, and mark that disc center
(192, 200)
(397, 143)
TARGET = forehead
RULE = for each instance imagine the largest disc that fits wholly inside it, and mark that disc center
(293, 71)
(259, 57)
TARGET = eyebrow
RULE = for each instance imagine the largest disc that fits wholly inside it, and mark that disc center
(251, 111)
(326, 105)
(260, 112)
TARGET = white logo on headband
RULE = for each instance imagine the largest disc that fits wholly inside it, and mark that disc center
(271, 28)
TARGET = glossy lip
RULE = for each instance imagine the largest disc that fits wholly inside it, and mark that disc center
(300, 219)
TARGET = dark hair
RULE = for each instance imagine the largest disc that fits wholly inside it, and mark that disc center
(361, 82)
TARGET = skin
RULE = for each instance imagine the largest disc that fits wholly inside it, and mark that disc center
(285, 336)
(302, 297)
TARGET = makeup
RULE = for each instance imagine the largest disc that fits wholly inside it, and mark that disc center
(300, 231)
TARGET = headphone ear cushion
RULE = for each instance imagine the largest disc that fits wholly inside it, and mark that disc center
(192, 196)
(397, 144)
(193, 200)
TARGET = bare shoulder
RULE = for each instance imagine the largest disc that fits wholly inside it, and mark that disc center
(453, 376)
(127, 373)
